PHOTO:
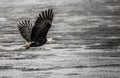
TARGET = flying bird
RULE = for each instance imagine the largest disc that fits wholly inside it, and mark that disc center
(37, 35)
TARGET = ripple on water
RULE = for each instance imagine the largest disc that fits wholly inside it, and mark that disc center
(75, 27)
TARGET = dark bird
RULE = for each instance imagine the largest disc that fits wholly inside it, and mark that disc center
(37, 35)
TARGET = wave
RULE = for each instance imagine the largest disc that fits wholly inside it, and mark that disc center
(12, 48)
(55, 68)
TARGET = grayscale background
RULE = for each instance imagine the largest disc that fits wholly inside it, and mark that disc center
(87, 34)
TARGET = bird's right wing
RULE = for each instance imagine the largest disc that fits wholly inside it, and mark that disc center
(25, 28)
(42, 25)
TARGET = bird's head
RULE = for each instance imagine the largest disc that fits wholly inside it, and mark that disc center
(51, 41)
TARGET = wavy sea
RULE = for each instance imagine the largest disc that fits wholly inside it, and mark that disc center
(87, 34)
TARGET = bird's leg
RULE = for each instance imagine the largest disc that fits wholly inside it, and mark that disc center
(51, 41)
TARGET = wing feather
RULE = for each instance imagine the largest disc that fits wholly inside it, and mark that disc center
(42, 25)
(25, 28)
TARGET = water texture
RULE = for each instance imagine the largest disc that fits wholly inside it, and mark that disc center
(87, 34)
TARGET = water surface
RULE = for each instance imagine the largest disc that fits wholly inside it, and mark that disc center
(87, 34)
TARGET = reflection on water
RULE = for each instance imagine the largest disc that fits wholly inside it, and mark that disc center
(87, 34)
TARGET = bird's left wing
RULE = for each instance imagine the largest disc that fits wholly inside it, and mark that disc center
(25, 28)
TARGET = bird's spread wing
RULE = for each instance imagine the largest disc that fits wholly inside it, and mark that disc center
(42, 25)
(25, 28)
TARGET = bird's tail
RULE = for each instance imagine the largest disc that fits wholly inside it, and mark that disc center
(27, 45)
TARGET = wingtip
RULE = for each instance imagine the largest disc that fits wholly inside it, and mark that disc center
(24, 23)
(47, 14)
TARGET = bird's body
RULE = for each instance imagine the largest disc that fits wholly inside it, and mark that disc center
(37, 35)
(39, 42)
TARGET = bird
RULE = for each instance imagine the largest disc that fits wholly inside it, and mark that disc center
(36, 35)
